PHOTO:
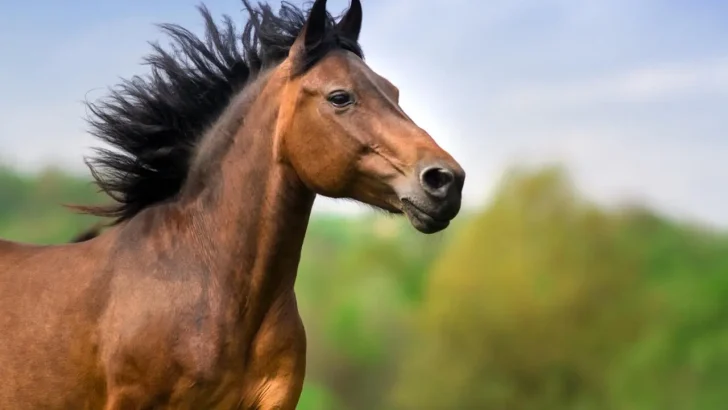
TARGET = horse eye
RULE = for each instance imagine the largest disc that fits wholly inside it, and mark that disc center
(340, 99)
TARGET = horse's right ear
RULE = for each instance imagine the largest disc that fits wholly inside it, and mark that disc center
(350, 24)
(313, 32)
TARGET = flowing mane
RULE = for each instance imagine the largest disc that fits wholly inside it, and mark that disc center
(155, 122)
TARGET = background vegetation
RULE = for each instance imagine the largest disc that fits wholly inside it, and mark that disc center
(540, 300)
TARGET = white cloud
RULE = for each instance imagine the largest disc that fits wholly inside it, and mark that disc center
(643, 84)
(613, 166)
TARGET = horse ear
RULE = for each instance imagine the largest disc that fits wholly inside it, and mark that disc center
(313, 31)
(350, 24)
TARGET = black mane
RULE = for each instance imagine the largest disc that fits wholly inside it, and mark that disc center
(155, 121)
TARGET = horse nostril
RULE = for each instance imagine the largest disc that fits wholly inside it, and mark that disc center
(436, 181)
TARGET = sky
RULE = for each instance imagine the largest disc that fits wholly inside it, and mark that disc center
(630, 95)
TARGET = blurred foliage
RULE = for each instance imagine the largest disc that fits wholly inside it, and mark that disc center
(32, 207)
(541, 300)
(529, 308)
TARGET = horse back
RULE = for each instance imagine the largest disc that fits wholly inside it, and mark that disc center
(12, 253)
(50, 299)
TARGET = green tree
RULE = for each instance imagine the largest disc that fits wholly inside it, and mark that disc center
(530, 308)
(682, 362)
(31, 206)
(359, 281)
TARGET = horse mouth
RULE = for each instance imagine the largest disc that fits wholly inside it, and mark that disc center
(421, 220)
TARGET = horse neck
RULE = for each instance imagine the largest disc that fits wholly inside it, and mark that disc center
(252, 213)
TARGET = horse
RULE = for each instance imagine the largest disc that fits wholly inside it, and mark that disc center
(215, 158)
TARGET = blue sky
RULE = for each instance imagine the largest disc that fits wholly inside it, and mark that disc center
(632, 95)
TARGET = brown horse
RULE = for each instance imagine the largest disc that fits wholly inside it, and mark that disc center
(187, 301)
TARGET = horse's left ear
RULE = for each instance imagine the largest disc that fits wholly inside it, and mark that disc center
(350, 25)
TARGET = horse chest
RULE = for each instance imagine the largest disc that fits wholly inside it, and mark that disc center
(264, 370)
(195, 353)
(225, 379)
(196, 372)
(225, 392)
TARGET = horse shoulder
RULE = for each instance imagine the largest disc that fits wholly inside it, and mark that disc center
(162, 332)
